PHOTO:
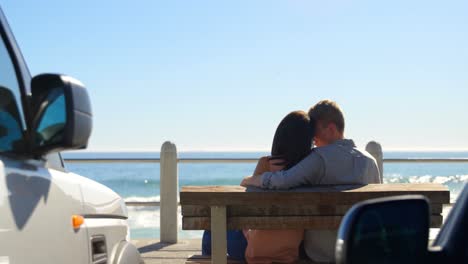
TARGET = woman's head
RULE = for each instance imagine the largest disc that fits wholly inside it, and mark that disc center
(293, 138)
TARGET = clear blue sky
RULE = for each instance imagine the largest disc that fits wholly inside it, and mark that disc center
(222, 74)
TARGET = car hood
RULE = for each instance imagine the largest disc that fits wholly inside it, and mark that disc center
(100, 200)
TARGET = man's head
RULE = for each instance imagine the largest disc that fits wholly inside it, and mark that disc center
(329, 122)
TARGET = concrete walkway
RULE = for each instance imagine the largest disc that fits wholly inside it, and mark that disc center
(155, 252)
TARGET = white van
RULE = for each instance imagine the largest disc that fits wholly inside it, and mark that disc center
(47, 214)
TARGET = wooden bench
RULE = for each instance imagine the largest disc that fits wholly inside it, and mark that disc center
(218, 208)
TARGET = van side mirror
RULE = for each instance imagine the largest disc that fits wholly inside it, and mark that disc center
(62, 113)
(386, 230)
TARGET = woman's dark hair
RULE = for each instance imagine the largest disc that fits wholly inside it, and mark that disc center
(293, 138)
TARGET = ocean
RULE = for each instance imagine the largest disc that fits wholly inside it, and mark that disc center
(140, 181)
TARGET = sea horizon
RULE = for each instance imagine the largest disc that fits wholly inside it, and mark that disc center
(446, 153)
(252, 150)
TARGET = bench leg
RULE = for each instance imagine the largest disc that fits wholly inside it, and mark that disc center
(218, 235)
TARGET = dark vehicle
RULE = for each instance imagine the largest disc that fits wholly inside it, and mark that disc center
(396, 230)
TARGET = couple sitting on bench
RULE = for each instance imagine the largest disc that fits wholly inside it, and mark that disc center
(293, 163)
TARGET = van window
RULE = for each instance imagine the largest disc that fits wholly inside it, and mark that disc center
(11, 130)
(52, 125)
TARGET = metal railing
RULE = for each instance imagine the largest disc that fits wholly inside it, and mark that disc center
(169, 178)
(236, 160)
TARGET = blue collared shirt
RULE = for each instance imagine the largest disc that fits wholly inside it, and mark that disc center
(338, 163)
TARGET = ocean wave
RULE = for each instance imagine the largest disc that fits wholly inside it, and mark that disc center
(156, 198)
(439, 179)
(398, 178)
(148, 217)
(455, 183)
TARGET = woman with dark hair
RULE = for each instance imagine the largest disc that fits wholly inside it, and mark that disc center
(291, 143)
(293, 139)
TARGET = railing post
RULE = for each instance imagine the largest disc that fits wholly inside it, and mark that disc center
(375, 149)
(169, 190)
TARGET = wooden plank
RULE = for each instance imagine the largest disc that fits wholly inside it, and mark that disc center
(436, 221)
(269, 210)
(318, 195)
(278, 222)
(201, 259)
(436, 209)
(326, 188)
(291, 222)
(279, 210)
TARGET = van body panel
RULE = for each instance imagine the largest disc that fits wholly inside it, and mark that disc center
(114, 231)
(98, 199)
(37, 205)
